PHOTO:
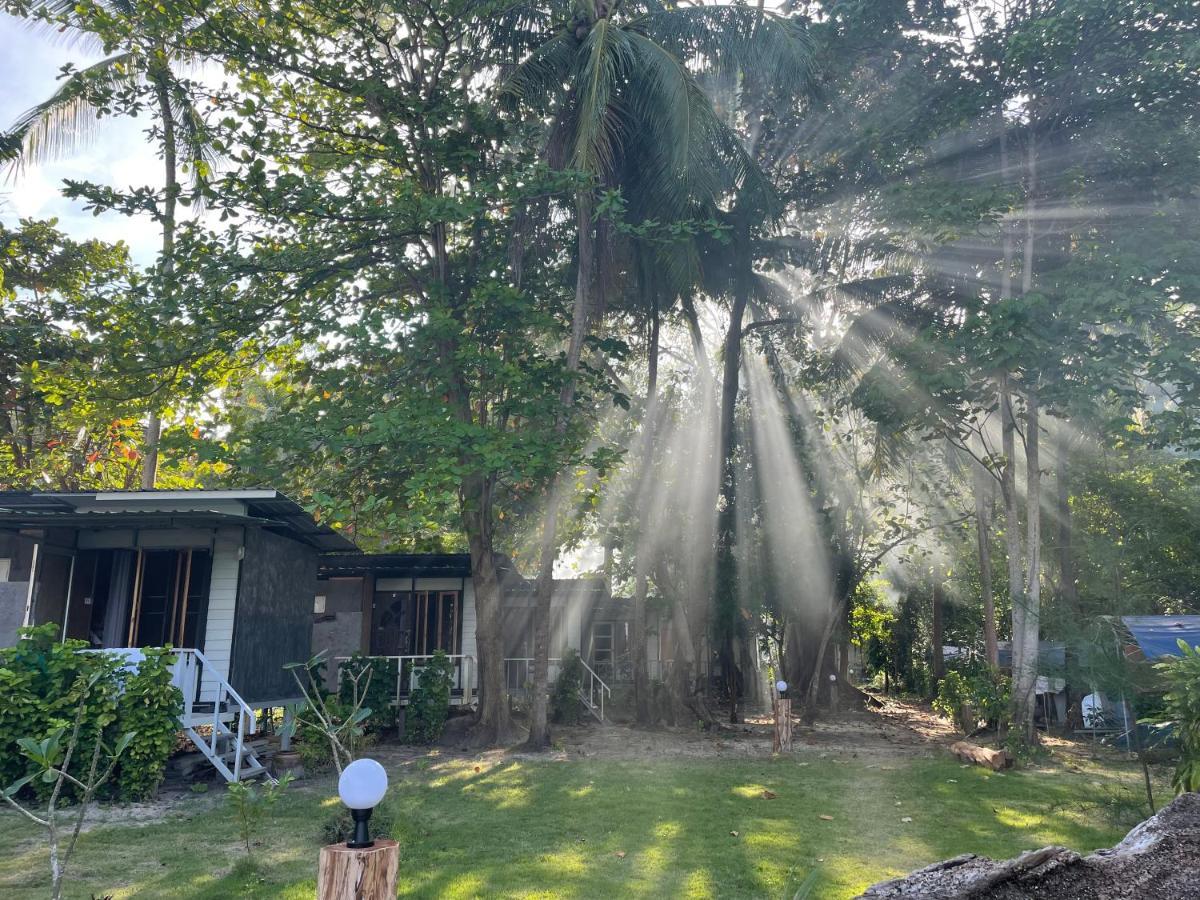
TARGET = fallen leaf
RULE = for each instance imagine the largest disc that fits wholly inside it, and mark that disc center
(827, 818)
(477, 768)
(898, 803)
(733, 834)
(906, 819)
(620, 854)
(769, 795)
(952, 781)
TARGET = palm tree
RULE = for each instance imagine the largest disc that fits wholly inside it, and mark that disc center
(66, 120)
(618, 83)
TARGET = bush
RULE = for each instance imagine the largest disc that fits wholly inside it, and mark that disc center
(380, 689)
(1182, 706)
(977, 692)
(39, 681)
(429, 704)
(312, 743)
(149, 707)
(564, 699)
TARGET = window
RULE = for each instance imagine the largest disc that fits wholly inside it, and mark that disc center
(5, 568)
(319, 605)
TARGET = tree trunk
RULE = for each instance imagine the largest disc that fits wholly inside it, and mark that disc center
(1066, 556)
(493, 725)
(938, 636)
(539, 727)
(1012, 536)
(725, 599)
(1025, 678)
(983, 487)
(162, 93)
(642, 563)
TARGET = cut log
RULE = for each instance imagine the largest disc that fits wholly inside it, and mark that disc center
(981, 756)
(369, 873)
(783, 725)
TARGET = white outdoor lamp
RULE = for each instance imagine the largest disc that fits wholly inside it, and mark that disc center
(361, 787)
(781, 686)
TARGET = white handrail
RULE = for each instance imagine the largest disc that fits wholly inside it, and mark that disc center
(191, 663)
(463, 669)
(596, 685)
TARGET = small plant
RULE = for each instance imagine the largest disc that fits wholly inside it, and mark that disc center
(374, 680)
(51, 760)
(564, 699)
(321, 718)
(429, 704)
(1181, 704)
(250, 803)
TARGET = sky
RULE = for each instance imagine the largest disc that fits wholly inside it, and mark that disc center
(118, 154)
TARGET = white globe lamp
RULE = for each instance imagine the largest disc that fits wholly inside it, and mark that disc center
(781, 686)
(361, 787)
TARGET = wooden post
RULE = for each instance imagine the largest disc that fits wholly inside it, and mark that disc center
(369, 873)
(783, 725)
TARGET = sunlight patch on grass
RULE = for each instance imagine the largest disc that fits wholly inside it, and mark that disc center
(749, 791)
(580, 792)
(699, 883)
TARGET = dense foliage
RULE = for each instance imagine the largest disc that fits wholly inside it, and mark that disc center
(429, 702)
(1182, 708)
(564, 702)
(41, 680)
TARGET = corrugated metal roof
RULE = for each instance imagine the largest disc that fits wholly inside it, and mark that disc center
(265, 508)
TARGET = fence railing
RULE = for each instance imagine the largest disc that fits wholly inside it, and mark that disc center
(408, 672)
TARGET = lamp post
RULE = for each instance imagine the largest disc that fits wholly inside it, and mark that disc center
(361, 868)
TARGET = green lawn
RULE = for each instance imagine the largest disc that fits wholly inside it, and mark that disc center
(558, 829)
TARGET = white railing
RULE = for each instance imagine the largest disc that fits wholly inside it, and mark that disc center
(596, 689)
(463, 672)
(186, 675)
(593, 690)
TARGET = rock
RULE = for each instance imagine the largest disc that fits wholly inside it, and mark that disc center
(1157, 860)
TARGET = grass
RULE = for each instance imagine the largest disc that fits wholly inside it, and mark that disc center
(655, 828)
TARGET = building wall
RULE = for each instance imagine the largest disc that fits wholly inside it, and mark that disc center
(274, 616)
(339, 630)
(222, 601)
(14, 586)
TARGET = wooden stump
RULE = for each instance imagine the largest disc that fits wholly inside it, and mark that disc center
(783, 725)
(367, 874)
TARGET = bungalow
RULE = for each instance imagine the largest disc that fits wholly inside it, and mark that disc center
(227, 576)
(244, 582)
(405, 607)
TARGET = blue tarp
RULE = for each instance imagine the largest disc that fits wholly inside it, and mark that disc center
(1159, 635)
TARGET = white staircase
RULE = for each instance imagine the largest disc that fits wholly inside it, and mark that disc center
(219, 725)
(592, 692)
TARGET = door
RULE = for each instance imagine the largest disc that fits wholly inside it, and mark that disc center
(171, 598)
(391, 624)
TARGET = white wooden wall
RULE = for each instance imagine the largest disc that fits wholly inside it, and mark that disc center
(222, 599)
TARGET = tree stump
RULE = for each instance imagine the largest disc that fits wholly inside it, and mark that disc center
(783, 725)
(369, 873)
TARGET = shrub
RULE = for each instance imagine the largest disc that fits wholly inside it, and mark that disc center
(564, 699)
(40, 679)
(149, 707)
(312, 742)
(376, 679)
(974, 692)
(429, 704)
(1182, 706)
